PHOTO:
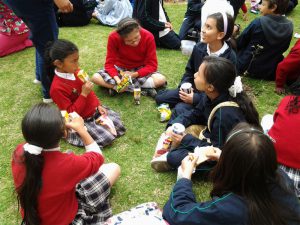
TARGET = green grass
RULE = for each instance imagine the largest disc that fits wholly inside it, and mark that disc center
(138, 182)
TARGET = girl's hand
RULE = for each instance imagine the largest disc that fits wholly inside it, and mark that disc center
(279, 90)
(102, 110)
(87, 87)
(117, 79)
(76, 124)
(168, 25)
(64, 6)
(132, 74)
(185, 97)
(188, 164)
(176, 139)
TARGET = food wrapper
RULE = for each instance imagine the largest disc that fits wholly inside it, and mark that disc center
(107, 123)
(83, 76)
(165, 112)
(69, 117)
(124, 82)
(203, 152)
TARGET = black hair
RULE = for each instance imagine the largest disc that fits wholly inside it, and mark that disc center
(281, 5)
(294, 102)
(221, 73)
(57, 50)
(126, 26)
(220, 24)
(248, 168)
(42, 126)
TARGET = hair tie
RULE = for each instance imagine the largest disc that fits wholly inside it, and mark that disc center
(236, 88)
(32, 149)
(225, 21)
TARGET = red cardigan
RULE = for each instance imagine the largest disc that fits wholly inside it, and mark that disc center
(286, 133)
(57, 202)
(129, 57)
(66, 95)
(289, 67)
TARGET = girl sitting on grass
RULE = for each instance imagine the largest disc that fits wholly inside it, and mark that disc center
(247, 186)
(55, 187)
(74, 95)
(131, 51)
(223, 105)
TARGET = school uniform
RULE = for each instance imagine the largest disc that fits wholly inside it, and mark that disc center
(261, 45)
(199, 52)
(66, 93)
(288, 70)
(152, 16)
(236, 5)
(61, 197)
(121, 57)
(286, 142)
(223, 120)
(182, 207)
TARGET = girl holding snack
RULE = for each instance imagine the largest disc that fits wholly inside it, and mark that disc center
(247, 186)
(60, 188)
(223, 105)
(72, 94)
(131, 52)
(216, 31)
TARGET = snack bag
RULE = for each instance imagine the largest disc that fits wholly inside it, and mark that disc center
(107, 123)
(69, 117)
(165, 112)
(124, 82)
(83, 76)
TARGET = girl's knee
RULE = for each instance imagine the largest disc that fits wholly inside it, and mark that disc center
(159, 80)
(112, 171)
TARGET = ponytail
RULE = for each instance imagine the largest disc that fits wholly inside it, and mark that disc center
(48, 63)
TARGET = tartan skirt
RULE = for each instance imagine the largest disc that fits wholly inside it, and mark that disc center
(136, 82)
(294, 175)
(93, 203)
(100, 134)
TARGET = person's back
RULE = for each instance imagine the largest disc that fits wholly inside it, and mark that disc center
(262, 43)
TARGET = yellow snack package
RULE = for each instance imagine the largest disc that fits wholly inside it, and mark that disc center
(124, 82)
(165, 112)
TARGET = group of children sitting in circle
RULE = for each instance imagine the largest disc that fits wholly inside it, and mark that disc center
(247, 186)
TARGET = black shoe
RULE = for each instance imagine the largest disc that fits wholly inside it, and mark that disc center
(151, 92)
(111, 92)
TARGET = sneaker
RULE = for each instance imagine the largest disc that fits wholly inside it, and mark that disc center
(36, 81)
(151, 92)
(112, 92)
(47, 100)
(160, 163)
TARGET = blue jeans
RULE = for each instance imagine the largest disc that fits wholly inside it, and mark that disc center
(170, 41)
(39, 16)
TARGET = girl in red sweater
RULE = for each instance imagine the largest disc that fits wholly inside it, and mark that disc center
(74, 95)
(55, 187)
(285, 131)
(130, 49)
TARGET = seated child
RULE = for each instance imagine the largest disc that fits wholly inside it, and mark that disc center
(223, 105)
(218, 28)
(72, 94)
(14, 34)
(261, 45)
(55, 187)
(285, 131)
(152, 16)
(131, 52)
(247, 186)
(288, 70)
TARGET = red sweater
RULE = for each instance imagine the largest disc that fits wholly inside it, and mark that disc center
(130, 57)
(57, 202)
(289, 67)
(66, 95)
(286, 133)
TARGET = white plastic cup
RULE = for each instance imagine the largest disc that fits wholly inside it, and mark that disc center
(178, 128)
(186, 87)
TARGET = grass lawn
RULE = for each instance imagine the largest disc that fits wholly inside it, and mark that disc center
(138, 182)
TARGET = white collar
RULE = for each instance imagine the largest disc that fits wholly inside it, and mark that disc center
(219, 52)
(52, 149)
(67, 76)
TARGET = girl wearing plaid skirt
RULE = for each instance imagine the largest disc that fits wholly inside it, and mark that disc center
(131, 51)
(72, 94)
(55, 187)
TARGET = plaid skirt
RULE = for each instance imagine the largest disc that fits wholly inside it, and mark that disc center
(294, 175)
(136, 82)
(93, 203)
(100, 134)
